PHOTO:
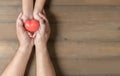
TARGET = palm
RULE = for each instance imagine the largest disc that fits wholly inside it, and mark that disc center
(22, 34)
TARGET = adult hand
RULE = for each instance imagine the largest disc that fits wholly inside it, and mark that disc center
(22, 34)
(43, 33)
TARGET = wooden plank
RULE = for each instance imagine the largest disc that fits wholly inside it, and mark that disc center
(90, 67)
(96, 24)
(80, 50)
(85, 2)
(70, 67)
(85, 23)
(8, 31)
(82, 67)
(68, 13)
(72, 50)
(87, 39)
(10, 3)
(9, 14)
(65, 2)
(86, 67)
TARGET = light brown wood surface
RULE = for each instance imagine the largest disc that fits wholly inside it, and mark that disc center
(66, 2)
(85, 39)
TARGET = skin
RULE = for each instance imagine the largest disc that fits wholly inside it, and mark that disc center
(39, 4)
(43, 63)
(38, 8)
(29, 12)
(22, 55)
(27, 8)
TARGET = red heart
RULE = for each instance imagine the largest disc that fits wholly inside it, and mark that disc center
(31, 25)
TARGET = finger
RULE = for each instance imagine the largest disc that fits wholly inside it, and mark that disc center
(20, 29)
(41, 21)
(34, 35)
(30, 35)
(47, 22)
(43, 17)
(19, 17)
(19, 20)
(42, 26)
(44, 12)
(19, 26)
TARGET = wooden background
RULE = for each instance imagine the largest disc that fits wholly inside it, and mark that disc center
(85, 38)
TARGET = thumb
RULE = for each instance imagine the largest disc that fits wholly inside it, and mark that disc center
(19, 26)
(42, 26)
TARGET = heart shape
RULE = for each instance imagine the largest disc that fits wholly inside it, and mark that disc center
(31, 25)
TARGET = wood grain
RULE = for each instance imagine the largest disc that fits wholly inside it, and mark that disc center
(70, 66)
(84, 23)
(85, 2)
(96, 28)
(66, 2)
(85, 36)
(9, 3)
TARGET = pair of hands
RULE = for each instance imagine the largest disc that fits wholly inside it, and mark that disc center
(39, 38)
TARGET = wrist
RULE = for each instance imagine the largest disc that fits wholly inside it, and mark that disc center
(27, 16)
(41, 47)
(36, 12)
(25, 44)
(25, 48)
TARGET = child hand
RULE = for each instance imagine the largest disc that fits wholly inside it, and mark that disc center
(38, 15)
(26, 17)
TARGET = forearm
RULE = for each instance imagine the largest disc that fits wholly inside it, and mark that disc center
(18, 64)
(27, 8)
(44, 64)
(39, 5)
